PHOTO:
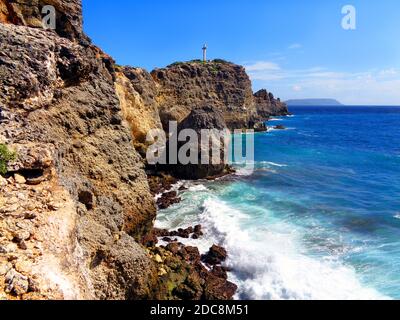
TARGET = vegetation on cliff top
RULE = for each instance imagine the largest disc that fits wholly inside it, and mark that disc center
(5, 156)
(198, 61)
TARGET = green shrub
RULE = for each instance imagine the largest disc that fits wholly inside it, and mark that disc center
(220, 61)
(178, 63)
(5, 157)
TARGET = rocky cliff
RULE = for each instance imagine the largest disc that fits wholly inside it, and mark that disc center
(268, 106)
(220, 84)
(77, 197)
(29, 13)
(75, 204)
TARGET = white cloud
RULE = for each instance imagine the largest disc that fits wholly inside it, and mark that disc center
(378, 87)
(295, 46)
(262, 66)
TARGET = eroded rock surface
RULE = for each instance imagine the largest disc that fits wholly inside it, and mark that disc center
(60, 112)
(267, 105)
(29, 13)
(223, 85)
(226, 87)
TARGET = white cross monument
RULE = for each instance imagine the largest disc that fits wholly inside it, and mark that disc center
(205, 53)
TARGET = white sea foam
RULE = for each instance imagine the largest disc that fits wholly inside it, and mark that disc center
(197, 187)
(268, 263)
(397, 216)
(274, 164)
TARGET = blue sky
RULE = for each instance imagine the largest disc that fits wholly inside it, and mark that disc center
(296, 49)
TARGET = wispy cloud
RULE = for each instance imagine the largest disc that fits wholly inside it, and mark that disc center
(297, 88)
(366, 87)
(263, 66)
(295, 46)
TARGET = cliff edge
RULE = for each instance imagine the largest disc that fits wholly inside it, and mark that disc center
(223, 85)
(77, 196)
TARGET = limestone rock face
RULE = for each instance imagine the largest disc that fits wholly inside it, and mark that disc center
(60, 112)
(268, 106)
(137, 93)
(204, 117)
(29, 13)
(223, 85)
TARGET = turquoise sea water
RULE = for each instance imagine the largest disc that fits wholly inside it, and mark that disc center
(320, 216)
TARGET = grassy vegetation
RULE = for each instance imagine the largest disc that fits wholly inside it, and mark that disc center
(215, 61)
(5, 157)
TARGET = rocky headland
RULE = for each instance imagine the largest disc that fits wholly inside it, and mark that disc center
(77, 207)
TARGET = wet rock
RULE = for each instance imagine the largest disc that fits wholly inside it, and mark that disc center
(187, 278)
(215, 256)
(219, 289)
(168, 199)
(280, 127)
(160, 182)
(191, 254)
(220, 272)
(161, 232)
(198, 230)
(173, 247)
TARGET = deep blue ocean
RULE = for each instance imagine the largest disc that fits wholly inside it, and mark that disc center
(319, 218)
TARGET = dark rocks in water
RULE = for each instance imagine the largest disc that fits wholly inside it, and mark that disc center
(160, 182)
(260, 127)
(217, 288)
(168, 199)
(220, 272)
(185, 277)
(191, 254)
(195, 232)
(280, 127)
(215, 256)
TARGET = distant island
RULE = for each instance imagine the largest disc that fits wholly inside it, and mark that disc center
(313, 102)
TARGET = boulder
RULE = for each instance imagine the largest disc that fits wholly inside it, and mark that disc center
(215, 256)
(205, 117)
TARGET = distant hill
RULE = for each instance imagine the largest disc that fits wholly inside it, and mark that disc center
(313, 102)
